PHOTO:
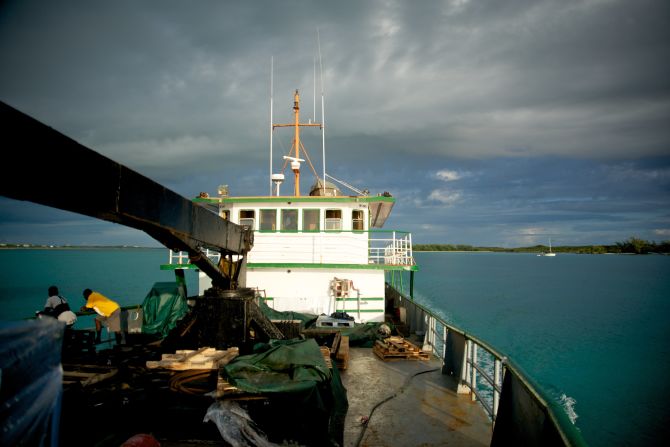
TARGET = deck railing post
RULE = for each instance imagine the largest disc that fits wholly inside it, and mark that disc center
(467, 369)
(410, 253)
(497, 384)
(428, 338)
(474, 370)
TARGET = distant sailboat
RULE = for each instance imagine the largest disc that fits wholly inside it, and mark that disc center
(549, 253)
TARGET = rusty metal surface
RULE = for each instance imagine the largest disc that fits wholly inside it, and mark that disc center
(54, 170)
(425, 412)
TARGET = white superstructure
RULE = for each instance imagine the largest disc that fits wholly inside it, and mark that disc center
(320, 253)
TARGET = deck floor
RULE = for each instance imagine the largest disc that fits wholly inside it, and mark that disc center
(426, 411)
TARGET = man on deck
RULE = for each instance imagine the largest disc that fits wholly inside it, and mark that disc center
(109, 314)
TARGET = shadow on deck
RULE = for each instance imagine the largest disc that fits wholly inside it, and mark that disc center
(425, 412)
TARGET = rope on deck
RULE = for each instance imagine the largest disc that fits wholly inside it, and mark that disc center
(379, 404)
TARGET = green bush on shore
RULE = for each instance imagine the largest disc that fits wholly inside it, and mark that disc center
(632, 245)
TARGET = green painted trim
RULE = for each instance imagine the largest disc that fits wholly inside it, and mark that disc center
(179, 267)
(290, 199)
(359, 299)
(297, 265)
(300, 265)
(269, 298)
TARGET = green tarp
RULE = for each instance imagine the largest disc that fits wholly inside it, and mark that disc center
(287, 366)
(308, 399)
(163, 307)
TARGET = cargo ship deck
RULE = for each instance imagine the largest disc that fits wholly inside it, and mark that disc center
(426, 411)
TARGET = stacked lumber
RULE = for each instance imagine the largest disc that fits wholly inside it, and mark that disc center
(203, 358)
(337, 343)
(325, 352)
(397, 348)
(342, 354)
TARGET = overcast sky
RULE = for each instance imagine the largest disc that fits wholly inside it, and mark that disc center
(491, 122)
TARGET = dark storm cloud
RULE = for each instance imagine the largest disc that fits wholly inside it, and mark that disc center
(556, 110)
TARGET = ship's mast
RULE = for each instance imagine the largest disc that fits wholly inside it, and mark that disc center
(294, 158)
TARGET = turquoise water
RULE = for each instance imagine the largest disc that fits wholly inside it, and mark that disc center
(593, 331)
(124, 275)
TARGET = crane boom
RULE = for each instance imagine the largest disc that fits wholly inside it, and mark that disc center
(54, 170)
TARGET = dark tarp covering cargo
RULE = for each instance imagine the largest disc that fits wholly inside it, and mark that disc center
(307, 319)
(163, 307)
(304, 393)
(363, 335)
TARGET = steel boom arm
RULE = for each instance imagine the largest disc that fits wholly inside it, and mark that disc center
(49, 168)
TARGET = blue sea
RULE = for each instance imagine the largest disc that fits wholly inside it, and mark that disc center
(592, 331)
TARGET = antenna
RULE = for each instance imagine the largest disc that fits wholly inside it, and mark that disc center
(271, 126)
(323, 116)
(277, 179)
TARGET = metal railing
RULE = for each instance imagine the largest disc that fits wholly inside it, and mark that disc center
(483, 367)
(390, 248)
(491, 379)
(181, 257)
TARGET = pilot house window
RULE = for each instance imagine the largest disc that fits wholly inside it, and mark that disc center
(289, 220)
(268, 220)
(247, 218)
(333, 219)
(357, 220)
(310, 220)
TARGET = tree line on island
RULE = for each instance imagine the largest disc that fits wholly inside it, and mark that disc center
(631, 245)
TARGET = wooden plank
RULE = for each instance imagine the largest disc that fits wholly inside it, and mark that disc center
(325, 352)
(342, 354)
(336, 342)
(203, 358)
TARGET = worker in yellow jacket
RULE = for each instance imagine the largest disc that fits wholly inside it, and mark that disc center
(109, 313)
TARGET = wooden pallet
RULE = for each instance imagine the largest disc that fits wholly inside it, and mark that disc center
(397, 348)
(203, 358)
(325, 352)
(339, 347)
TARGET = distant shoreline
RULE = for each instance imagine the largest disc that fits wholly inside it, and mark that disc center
(632, 245)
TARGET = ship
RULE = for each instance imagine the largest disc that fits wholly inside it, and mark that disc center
(304, 330)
